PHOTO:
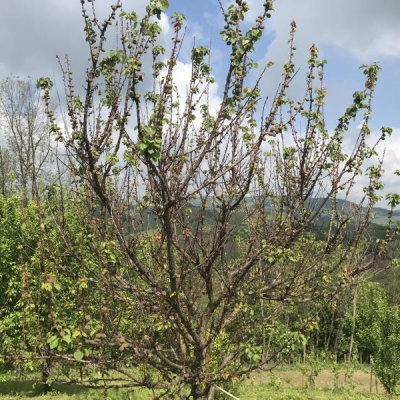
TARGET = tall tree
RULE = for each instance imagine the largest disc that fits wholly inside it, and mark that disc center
(25, 138)
(200, 213)
(7, 171)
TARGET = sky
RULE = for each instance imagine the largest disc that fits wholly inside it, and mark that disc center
(347, 33)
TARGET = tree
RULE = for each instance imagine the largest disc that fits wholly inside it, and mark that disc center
(387, 358)
(378, 334)
(26, 152)
(26, 143)
(199, 213)
(17, 249)
(7, 171)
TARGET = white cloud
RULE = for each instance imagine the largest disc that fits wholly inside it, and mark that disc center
(208, 94)
(365, 29)
(32, 34)
(386, 44)
(389, 151)
(164, 24)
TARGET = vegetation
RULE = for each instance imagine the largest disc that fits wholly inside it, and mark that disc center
(177, 247)
(281, 384)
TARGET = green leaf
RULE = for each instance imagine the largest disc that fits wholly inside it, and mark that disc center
(53, 342)
(67, 338)
(78, 355)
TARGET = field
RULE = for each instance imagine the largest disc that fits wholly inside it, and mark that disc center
(383, 219)
(279, 385)
(292, 385)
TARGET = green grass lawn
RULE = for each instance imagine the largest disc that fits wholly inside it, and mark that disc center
(291, 384)
(13, 389)
(383, 220)
(281, 385)
(261, 392)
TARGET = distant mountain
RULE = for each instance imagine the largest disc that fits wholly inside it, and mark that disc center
(379, 214)
(147, 220)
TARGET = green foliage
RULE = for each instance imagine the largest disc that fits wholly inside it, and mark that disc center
(387, 357)
(372, 308)
(17, 248)
(44, 83)
(310, 368)
(378, 333)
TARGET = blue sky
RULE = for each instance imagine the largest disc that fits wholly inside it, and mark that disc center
(348, 33)
(347, 43)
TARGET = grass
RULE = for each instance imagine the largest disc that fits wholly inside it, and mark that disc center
(282, 384)
(383, 220)
(258, 392)
(29, 389)
(291, 385)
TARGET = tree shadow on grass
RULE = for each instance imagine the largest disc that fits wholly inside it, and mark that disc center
(31, 388)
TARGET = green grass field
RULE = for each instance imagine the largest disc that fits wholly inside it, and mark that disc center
(279, 385)
(383, 220)
(291, 385)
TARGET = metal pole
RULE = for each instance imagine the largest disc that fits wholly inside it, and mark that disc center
(229, 394)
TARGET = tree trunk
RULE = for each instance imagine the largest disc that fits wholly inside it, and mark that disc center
(202, 393)
(353, 323)
(46, 372)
